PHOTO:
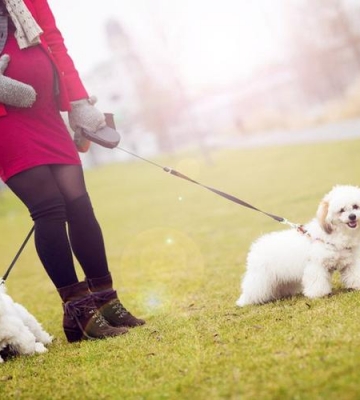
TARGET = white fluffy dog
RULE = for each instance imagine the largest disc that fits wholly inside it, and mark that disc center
(20, 332)
(285, 263)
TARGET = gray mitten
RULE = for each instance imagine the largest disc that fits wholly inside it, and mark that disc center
(13, 92)
(84, 115)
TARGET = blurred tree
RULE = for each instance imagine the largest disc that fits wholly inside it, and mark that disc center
(158, 102)
(324, 46)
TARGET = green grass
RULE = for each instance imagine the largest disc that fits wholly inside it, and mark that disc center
(177, 252)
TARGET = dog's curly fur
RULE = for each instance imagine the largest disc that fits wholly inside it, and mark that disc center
(285, 263)
(20, 332)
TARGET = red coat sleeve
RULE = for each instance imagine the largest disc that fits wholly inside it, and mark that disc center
(53, 39)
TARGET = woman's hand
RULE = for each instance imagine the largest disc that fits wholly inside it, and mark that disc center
(84, 115)
(13, 92)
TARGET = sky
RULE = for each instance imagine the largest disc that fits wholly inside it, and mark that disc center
(211, 42)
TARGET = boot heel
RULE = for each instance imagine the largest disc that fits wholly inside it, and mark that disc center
(73, 335)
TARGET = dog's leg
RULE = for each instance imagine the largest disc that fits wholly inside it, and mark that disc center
(242, 301)
(18, 336)
(350, 276)
(40, 348)
(257, 288)
(31, 322)
(316, 281)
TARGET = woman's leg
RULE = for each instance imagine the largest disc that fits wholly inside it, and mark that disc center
(88, 245)
(38, 190)
(48, 192)
(55, 194)
(84, 230)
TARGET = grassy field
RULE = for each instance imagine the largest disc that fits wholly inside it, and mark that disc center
(177, 253)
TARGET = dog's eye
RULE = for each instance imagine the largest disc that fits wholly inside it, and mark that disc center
(342, 210)
(355, 206)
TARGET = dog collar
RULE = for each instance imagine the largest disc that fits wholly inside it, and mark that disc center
(303, 231)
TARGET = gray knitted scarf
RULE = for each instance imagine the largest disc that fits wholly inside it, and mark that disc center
(27, 30)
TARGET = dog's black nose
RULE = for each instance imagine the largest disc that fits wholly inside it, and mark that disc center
(352, 217)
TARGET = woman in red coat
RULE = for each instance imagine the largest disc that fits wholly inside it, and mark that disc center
(39, 162)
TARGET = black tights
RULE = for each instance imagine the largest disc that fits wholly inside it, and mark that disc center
(56, 195)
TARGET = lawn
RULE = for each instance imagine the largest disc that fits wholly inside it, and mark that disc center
(177, 253)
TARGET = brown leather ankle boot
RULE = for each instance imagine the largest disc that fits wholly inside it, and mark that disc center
(113, 311)
(108, 303)
(82, 320)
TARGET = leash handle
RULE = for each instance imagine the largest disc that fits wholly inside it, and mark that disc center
(17, 256)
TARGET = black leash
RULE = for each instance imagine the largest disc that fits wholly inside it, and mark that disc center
(179, 175)
(3, 279)
(216, 191)
(110, 138)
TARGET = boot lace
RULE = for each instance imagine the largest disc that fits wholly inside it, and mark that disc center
(74, 310)
(119, 309)
(106, 299)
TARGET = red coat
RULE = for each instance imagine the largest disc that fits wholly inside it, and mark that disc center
(70, 86)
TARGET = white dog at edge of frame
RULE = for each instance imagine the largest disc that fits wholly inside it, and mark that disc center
(285, 263)
(20, 332)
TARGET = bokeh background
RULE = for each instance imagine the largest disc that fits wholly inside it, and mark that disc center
(195, 73)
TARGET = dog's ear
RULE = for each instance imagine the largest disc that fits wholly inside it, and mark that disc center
(321, 216)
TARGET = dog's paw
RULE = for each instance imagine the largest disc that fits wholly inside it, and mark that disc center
(45, 338)
(40, 348)
(241, 302)
(315, 294)
(314, 287)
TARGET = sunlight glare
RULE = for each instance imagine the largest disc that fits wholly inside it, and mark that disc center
(224, 41)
